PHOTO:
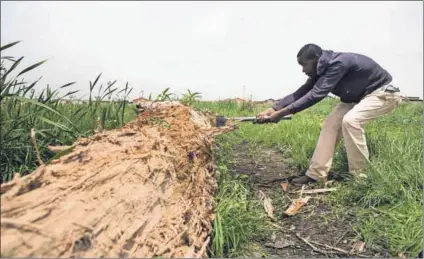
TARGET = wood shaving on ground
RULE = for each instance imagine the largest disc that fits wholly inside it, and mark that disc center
(296, 205)
(358, 247)
(267, 202)
(284, 186)
(119, 192)
(58, 148)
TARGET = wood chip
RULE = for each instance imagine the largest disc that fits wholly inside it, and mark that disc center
(296, 205)
(284, 186)
(267, 202)
(58, 148)
(358, 247)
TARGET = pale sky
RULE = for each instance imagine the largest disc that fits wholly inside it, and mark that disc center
(210, 47)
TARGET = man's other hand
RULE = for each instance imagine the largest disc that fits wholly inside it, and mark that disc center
(274, 117)
(263, 119)
(265, 113)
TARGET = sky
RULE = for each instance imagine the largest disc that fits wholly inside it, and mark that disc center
(214, 48)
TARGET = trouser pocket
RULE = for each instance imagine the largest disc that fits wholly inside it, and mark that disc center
(388, 95)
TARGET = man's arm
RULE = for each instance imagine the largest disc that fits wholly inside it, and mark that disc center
(324, 85)
(291, 98)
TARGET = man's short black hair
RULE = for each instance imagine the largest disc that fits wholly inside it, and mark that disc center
(309, 51)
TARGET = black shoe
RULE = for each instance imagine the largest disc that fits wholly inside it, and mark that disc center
(302, 172)
(303, 180)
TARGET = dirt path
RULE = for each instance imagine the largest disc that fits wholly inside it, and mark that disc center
(317, 220)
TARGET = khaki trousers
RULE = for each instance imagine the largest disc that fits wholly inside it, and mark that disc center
(346, 120)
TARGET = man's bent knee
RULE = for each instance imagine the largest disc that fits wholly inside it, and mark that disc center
(349, 121)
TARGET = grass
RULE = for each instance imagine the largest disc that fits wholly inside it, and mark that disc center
(55, 122)
(239, 218)
(388, 204)
(239, 215)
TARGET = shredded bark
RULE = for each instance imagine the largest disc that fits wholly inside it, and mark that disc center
(145, 190)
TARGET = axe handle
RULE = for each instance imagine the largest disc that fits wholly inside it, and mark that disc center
(284, 118)
(221, 120)
(255, 119)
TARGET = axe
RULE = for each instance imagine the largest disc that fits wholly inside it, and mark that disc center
(221, 120)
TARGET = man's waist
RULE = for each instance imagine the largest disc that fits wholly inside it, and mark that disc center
(385, 88)
(356, 99)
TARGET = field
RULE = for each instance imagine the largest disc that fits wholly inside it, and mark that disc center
(384, 211)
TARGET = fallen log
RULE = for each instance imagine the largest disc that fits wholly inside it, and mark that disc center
(145, 190)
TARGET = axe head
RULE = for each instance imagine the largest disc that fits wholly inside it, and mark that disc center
(220, 121)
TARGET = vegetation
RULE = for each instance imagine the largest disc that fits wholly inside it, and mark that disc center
(55, 121)
(388, 204)
(190, 98)
(240, 217)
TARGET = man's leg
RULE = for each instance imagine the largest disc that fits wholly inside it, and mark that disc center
(323, 155)
(370, 108)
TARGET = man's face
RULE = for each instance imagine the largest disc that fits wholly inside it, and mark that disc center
(309, 67)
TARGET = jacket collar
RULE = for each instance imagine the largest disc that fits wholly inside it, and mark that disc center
(324, 61)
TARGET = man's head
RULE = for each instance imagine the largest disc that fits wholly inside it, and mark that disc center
(308, 57)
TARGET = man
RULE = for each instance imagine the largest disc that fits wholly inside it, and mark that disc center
(365, 92)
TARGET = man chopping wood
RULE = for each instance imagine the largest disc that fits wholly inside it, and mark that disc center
(365, 92)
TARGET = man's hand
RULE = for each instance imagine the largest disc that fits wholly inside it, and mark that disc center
(274, 116)
(265, 113)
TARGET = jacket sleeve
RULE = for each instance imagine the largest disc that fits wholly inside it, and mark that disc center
(289, 99)
(323, 86)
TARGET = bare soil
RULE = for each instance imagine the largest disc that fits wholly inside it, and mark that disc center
(317, 221)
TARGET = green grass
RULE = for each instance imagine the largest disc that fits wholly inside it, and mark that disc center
(54, 121)
(239, 216)
(389, 204)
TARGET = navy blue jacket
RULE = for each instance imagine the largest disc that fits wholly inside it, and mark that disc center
(349, 76)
